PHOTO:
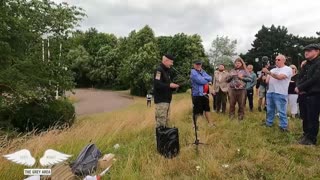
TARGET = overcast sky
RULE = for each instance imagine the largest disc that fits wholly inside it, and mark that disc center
(238, 19)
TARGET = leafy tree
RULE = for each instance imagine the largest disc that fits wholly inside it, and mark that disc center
(187, 48)
(140, 57)
(104, 68)
(79, 62)
(92, 40)
(97, 45)
(142, 68)
(24, 76)
(273, 40)
(222, 50)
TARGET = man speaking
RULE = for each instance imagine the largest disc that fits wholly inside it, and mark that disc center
(163, 90)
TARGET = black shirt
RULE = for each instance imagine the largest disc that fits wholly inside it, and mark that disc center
(292, 85)
(309, 77)
(161, 85)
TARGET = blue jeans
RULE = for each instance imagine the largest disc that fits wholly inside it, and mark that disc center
(277, 102)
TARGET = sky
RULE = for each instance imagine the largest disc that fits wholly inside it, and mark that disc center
(237, 19)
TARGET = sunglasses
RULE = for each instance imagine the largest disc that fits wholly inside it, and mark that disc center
(278, 59)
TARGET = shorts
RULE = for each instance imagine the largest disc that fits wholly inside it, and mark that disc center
(262, 92)
(200, 104)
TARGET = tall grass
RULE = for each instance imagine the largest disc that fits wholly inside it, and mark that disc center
(235, 150)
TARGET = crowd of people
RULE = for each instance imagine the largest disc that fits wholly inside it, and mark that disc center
(280, 86)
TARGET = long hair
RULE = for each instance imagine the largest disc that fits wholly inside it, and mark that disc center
(294, 67)
(243, 64)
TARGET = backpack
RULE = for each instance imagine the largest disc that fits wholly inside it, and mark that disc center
(87, 160)
(168, 141)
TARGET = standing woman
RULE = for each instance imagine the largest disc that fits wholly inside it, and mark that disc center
(292, 95)
(237, 79)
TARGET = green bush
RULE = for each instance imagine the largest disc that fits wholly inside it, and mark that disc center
(39, 116)
(5, 118)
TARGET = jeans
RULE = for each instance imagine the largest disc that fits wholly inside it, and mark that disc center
(277, 102)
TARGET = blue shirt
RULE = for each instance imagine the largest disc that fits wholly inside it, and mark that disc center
(253, 82)
(198, 79)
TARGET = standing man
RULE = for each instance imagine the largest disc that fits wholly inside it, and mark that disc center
(278, 82)
(200, 91)
(163, 87)
(220, 88)
(308, 88)
(250, 85)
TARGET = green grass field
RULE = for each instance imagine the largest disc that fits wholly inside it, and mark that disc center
(236, 150)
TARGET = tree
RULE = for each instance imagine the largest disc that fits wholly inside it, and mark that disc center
(270, 41)
(79, 62)
(142, 68)
(140, 56)
(186, 49)
(24, 76)
(104, 67)
(222, 50)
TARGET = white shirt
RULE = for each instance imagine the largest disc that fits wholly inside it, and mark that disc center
(280, 86)
(149, 96)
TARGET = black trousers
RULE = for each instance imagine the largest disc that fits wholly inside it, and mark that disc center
(221, 101)
(214, 97)
(309, 112)
(250, 98)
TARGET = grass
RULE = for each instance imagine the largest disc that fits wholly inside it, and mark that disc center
(236, 150)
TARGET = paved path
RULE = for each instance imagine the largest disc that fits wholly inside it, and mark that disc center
(91, 101)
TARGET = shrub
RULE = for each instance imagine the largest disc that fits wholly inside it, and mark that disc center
(39, 116)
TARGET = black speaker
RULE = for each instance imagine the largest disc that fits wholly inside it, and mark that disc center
(168, 141)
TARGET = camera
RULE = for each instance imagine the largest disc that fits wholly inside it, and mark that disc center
(265, 61)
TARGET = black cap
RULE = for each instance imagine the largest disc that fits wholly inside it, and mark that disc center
(169, 56)
(311, 47)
